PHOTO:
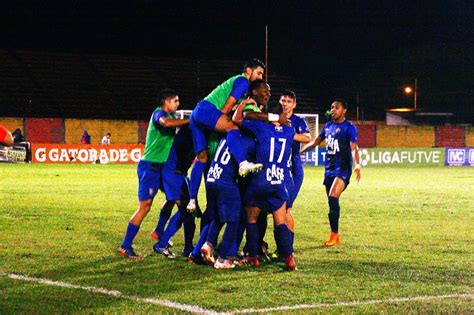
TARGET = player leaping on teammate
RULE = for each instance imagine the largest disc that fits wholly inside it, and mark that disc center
(341, 149)
(211, 114)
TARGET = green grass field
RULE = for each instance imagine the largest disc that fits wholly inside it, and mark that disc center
(406, 232)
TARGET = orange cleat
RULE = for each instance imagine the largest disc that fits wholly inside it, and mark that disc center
(333, 240)
(290, 263)
(155, 236)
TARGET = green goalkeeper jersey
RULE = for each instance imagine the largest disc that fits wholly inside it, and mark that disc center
(158, 138)
(236, 86)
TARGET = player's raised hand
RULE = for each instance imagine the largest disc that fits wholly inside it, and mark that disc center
(284, 120)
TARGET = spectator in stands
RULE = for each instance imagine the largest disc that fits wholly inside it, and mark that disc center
(6, 137)
(17, 136)
(86, 138)
(106, 138)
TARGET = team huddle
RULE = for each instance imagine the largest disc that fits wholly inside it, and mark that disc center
(249, 154)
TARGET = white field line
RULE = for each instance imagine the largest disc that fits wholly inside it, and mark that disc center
(354, 303)
(183, 307)
(199, 310)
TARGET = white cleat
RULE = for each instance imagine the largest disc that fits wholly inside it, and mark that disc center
(247, 167)
(207, 253)
(222, 263)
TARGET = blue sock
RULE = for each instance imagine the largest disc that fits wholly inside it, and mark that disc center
(283, 238)
(165, 215)
(228, 240)
(240, 232)
(292, 234)
(173, 227)
(262, 223)
(189, 229)
(333, 215)
(252, 239)
(196, 176)
(202, 239)
(234, 144)
(132, 231)
(214, 229)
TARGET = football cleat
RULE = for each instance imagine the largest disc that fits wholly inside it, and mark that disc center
(334, 239)
(187, 251)
(195, 259)
(247, 167)
(155, 236)
(222, 263)
(290, 263)
(207, 253)
(128, 252)
(250, 261)
(164, 251)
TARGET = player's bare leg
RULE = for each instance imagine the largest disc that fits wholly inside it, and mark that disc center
(225, 125)
(334, 193)
(142, 211)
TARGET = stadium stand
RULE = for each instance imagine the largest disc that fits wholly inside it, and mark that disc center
(76, 85)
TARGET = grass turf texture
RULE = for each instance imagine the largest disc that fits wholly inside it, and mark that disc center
(405, 232)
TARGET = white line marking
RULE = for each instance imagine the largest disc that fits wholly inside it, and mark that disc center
(113, 293)
(199, 310)
(354, 303)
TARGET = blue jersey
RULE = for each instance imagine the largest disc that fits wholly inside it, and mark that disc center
(273, 150)
(300, 127)
(224, 168)
(181, 153)
(338, 149)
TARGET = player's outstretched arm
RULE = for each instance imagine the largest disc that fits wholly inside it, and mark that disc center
(313, 143)
(356, 157)
(173, 122)
(238, 114)
(302, 137)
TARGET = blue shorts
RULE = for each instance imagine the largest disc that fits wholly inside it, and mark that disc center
(173, 185)
(149, 179)
(223, 202)
(265, 197)
(329, 178)
(203, 120)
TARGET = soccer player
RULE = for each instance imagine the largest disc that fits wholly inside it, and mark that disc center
(175, 186)
(6, 137)
(302, 135)
(341, 149)
(267, 188)
(211, 114)
(160, 134)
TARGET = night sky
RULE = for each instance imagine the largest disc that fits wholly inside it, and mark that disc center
(370, 49)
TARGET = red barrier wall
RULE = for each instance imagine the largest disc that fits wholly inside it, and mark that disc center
(447, 136)
(142, 128)
(367, 136)
(44, 130)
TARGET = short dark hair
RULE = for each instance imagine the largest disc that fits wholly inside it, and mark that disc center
(342, 101)
(254, 63)
(255, 85)
(289, 93)
(165, 94)
(274, 108)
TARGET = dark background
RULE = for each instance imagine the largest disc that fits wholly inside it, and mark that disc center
(364, 51)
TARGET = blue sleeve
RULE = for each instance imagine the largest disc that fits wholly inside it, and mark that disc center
(240, 87)
(322, 133)
(156, 118)
(251, 126)
(352, 133)
(302, 126)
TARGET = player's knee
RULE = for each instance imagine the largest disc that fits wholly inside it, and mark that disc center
(145, 206)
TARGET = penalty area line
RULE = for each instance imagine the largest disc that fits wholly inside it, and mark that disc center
(355, 303)
(113, 293)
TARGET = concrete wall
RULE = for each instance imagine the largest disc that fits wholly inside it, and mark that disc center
(405, 136)
(123, 131)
